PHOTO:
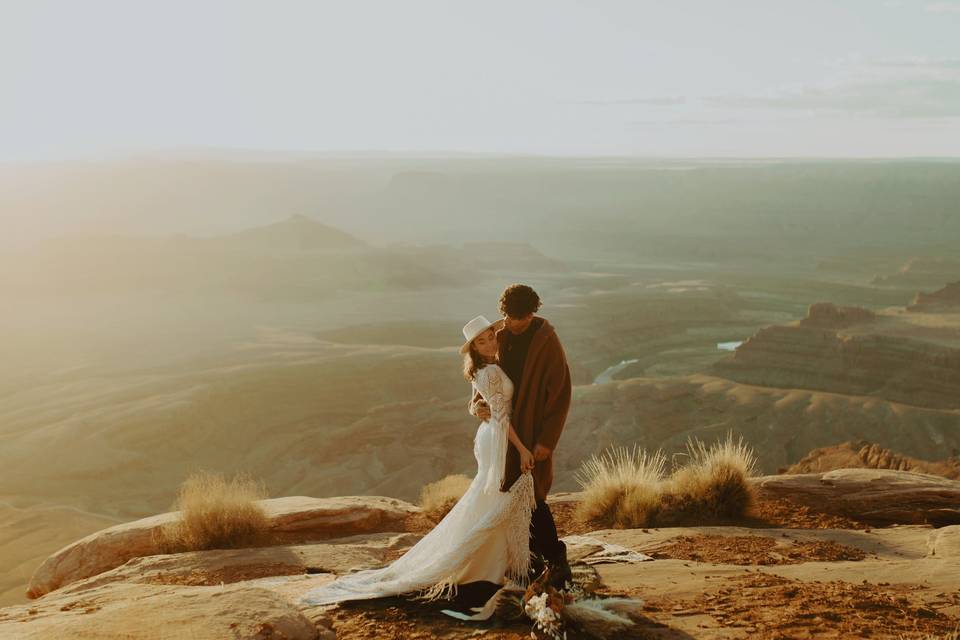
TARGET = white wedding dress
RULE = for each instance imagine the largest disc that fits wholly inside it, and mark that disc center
(485, 536)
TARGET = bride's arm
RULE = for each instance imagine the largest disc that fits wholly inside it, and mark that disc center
(526, 456)
(488, 383)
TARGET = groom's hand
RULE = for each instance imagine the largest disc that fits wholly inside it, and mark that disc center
(541, 453)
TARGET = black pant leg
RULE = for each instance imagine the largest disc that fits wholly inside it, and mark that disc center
(545, 540)
(474, 594)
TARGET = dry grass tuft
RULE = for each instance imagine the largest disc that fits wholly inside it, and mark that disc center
(437, 498)
(622, 487)
(216, 513)
(626, 488)
(713, 484)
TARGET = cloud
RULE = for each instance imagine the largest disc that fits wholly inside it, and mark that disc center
(920, 62)
(920, 98)
(687, 121)
(930, 7)
(656, 101)
(915, 87)
(943, 7)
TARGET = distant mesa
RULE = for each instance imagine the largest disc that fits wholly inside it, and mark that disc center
(943, 299)
(845, 350)
(510, 256)
(294, 259)
(829, 315)
(296, 233)
(863, 454)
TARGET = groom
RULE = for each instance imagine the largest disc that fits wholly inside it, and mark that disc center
(531, 355)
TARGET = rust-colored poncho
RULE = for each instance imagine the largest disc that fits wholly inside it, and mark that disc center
(541, 403)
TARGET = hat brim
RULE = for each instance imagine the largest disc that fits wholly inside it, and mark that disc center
(496, 325)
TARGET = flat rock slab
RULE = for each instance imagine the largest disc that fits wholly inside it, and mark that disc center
(150, 612)
(227, 566)
(895, 543)
(944, 542)
(875, 496)
(295, 518)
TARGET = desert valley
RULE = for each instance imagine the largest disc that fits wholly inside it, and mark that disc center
(298, 319)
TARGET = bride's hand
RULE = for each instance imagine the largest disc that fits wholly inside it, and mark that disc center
(526, 461)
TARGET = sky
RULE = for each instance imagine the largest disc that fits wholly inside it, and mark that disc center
(701, 78)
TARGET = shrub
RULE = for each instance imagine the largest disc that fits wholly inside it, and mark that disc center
(216, 513)
(622, 488)
(437, 498)
(626, 488)
(713, 484)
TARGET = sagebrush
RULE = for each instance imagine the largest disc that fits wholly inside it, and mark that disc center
(217, 513)
(622, 487)
(437, 498)
(627, 488)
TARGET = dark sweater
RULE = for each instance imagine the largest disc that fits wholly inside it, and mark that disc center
(514, 352)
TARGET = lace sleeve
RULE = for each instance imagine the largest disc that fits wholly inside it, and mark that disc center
(489, 383)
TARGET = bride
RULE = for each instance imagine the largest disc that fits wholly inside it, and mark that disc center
(485, 536)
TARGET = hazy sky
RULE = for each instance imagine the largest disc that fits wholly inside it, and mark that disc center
(677, 77)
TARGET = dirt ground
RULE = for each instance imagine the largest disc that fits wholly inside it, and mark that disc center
(754, 605)
(770, 607)
(755, 550)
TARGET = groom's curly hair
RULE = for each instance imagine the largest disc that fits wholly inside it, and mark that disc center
(518, 301)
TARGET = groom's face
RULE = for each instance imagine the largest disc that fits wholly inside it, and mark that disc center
(518, 325)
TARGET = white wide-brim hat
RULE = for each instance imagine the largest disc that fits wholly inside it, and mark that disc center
(474, 328)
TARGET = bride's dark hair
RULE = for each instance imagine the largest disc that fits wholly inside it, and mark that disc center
(473, 362)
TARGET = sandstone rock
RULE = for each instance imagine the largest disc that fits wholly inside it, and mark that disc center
(227, 566)
(829, 315)
(295, 518)
(319, 518)
(946, 298)
(863, 454)
(139, 611)
(945, 542)
(875, 496)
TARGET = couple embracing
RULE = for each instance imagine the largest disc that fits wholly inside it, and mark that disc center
(501, 529)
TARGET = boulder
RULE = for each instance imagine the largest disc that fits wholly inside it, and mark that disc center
(293, 519)
(875, 496)
(142, 611)
(861, 453)
(227, 566)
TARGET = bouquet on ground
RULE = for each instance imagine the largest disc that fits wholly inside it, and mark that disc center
(555, 613)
